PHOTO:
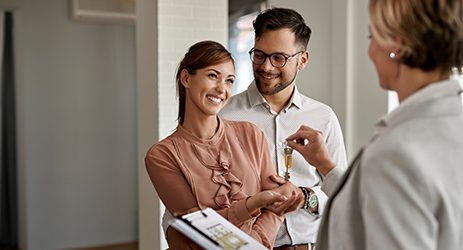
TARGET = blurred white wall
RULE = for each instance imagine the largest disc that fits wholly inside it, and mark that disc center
(76, 128)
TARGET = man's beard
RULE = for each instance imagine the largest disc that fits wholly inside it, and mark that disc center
(279, 87)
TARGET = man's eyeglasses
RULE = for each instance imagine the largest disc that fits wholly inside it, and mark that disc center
(278, 60)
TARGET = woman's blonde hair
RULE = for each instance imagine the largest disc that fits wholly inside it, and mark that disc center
(431, 31)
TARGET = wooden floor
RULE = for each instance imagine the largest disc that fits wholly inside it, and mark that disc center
(125, 246)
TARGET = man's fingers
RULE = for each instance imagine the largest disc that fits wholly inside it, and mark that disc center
(278, 179)
(304, 133)
(276, 197)
(301, 141)
(295, 146)
(288, 205)
(293, 137)
(301, 137)
(280, 208)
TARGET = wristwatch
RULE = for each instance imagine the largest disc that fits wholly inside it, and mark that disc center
(311, 200)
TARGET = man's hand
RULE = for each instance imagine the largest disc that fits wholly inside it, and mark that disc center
(264, 199)
(294, 194)
(310, 144)
(176, 240)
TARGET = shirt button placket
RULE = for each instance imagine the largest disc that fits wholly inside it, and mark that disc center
(278, 146)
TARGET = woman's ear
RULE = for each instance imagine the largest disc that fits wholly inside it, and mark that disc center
(397, 47)
(185, 78)
(304, 60)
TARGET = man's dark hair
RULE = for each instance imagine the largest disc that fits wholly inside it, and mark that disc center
(279, 18)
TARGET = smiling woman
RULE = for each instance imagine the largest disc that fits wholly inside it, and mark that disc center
(214, 73)
(210, 162)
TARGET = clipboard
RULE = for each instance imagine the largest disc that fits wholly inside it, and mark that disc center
(210, 230)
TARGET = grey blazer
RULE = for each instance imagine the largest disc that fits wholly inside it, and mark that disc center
(405, 191)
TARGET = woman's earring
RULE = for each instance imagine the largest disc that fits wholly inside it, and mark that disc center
(392, 55)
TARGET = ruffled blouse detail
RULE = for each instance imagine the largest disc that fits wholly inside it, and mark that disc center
(218, 160)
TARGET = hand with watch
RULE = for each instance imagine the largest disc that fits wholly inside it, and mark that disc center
(311, 200)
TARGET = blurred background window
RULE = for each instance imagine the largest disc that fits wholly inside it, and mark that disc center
(241, 38)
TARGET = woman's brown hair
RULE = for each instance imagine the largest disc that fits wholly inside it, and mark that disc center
(199, 56)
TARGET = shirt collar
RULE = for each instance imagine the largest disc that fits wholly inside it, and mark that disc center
(255, 98)
(416, 104)
(194, 139)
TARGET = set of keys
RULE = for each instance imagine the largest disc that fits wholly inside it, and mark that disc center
(288, 160)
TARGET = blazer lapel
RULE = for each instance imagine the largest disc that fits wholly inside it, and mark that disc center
(322, 241)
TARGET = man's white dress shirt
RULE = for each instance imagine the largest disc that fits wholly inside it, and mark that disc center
(300, 226)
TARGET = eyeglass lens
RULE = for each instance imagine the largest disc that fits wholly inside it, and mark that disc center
(276, 59)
